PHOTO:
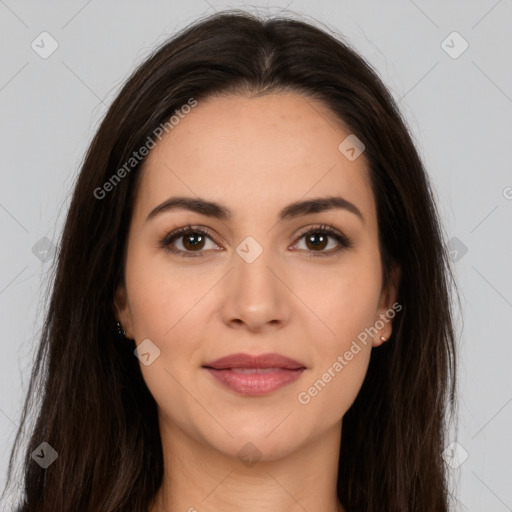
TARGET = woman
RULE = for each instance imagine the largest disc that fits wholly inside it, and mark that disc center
(254, 219)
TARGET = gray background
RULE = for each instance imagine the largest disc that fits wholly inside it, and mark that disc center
(458, 109)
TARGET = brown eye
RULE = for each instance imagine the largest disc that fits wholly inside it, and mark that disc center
(192, 241)
(317, 241)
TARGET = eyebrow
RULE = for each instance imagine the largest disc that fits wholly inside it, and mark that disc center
(218, 211)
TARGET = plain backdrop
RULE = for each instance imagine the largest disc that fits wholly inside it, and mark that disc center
(448, 64)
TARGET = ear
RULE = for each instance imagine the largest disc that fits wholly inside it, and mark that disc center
(388, 308)
(122, 308)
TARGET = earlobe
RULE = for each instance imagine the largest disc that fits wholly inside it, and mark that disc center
(121, 309)
(379, 340)
(387, 308)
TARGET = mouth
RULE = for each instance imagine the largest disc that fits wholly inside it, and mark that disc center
(255, 375)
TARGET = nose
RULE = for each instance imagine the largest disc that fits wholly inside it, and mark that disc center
(255, 294)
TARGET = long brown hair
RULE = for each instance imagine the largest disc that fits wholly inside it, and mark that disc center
(94, 408)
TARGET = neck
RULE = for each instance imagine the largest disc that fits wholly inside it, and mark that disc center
(199, 477)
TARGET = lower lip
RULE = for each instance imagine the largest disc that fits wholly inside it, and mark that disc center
(256, 384)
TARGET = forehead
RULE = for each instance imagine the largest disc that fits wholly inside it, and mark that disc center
(249, 151)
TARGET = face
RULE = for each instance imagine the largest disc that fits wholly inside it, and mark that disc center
(261, 279)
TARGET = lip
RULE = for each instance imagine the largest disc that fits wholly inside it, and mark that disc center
(260, 361)
(255, 375)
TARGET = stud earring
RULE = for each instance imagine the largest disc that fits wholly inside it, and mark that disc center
(382, 338)
(120, 330)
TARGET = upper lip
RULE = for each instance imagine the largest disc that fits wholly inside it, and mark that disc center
(259, 361)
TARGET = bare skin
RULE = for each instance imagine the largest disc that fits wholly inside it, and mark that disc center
(255, 156)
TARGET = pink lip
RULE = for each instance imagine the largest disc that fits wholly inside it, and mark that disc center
(234, 372)
(261, 361)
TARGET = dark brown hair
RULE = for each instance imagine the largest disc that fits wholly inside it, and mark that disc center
(94, 408)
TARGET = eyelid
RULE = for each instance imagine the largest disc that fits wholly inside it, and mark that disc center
(344, 242)
(177, 233)
(327, 229)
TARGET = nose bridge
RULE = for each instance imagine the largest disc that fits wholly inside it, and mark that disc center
(255, 295)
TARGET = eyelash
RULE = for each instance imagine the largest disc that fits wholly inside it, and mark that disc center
(343, 240)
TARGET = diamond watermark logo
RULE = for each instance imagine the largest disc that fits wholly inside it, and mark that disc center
(351, 147)
(44, 455)
(147, 352)
(44, 45)
(44, 249)
(249, 249)
(249, 454)
(457, 249)
(455, 455)
(454, 45)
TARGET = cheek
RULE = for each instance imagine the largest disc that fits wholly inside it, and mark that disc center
(342, 343)
(168, 304)
(162, 294)
(344, 302)
(174, 321)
